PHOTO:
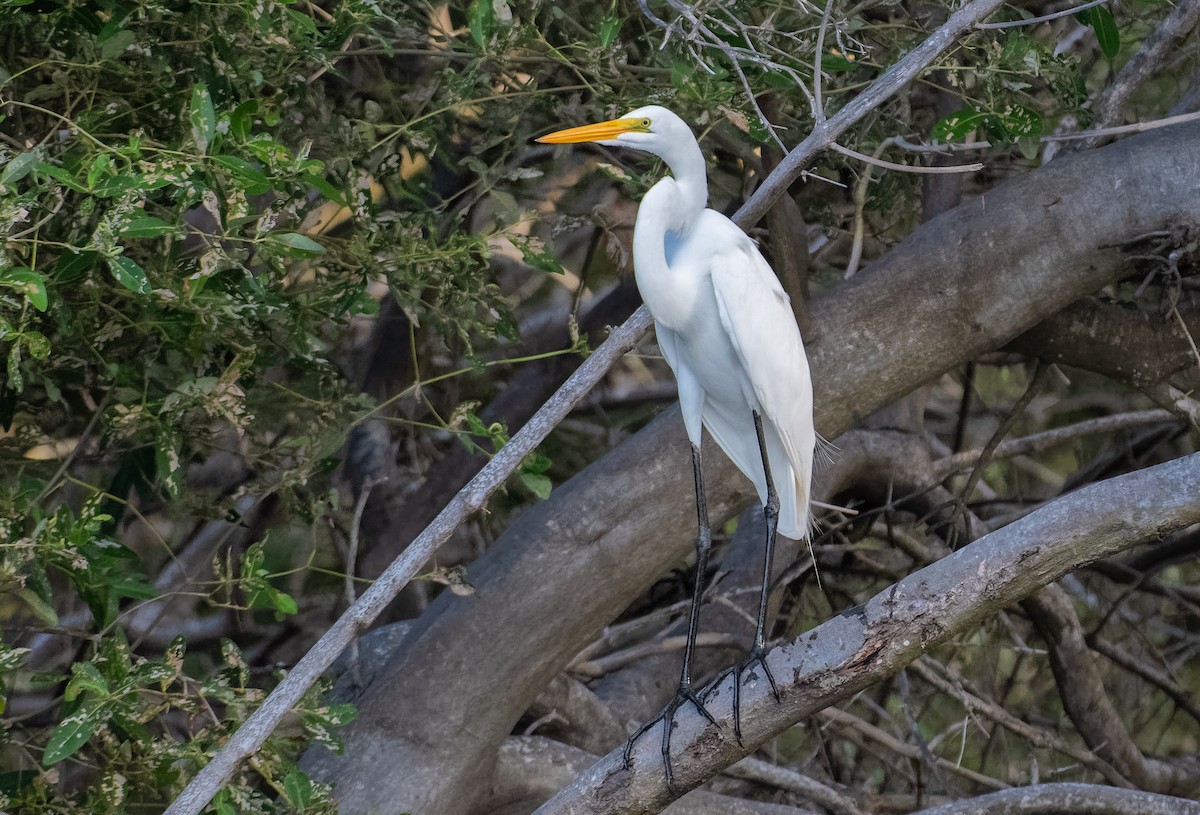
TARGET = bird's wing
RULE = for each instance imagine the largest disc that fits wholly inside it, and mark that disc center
(691, 395)
(758, 319)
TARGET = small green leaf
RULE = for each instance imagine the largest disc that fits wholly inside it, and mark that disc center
(539, 485)
(481, 18)
(18, 167)
(37, 343)
(30, 283)
(147, 227)
(254, 181)
(837, 63)
(37, 604)
(958, 124)
(60, 175)
(1102, 22)
(282, 602)
(115, 45)
(85, 677)
(203, 117)
(73, 264)
(297, 788)
(610, 26)
(317, 181)
(167, 463)
(73, 733)
(129, 274)
(297, 245)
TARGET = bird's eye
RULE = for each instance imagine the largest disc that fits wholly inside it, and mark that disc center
(645, 123)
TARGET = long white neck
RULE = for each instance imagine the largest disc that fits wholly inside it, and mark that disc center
(691, 180)
(669, 212)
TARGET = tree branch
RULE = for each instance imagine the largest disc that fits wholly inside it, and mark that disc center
(869, 643)
(1068, 799)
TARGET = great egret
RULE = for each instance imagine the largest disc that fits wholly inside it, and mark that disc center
(726, 329)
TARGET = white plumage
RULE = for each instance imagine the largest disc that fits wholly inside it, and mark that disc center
(723, 320)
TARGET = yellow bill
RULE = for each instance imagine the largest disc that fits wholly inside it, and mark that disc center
(601, 131)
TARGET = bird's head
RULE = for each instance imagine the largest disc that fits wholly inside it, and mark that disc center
(653, 129)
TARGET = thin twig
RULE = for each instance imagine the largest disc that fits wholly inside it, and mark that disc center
(1044, 18)
(1037, 442)
(906, 168)
(1120, 130)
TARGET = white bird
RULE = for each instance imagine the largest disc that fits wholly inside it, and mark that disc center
(726, 328)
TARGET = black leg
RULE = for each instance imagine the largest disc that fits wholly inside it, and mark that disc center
(685, 693)
(758, 652)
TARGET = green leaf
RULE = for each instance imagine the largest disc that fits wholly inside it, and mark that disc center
(85, 677)
(282, 602)
(837, 63)
(30, 283)
(539, 485)
(73, 264)
(297, 245)
(37, 343)
(241, 121)
(481, 18)
(167, 462)
(129, 274)
(60, 175)
(43, 610)
(74, 732)
(203, 117)
(317, 181)
(254, 181)
(958, 124)
(147, 227)
(1102, 22)
(610, 26)
(1013, 123)
(19, 166)
(297, 788)
(113, 185)
(115, 45)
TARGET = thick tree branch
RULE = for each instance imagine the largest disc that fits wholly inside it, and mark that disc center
(1130, 345)
(866, 644)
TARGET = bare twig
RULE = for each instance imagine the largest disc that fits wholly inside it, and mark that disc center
(1045, 17)
(907, 168)
(764, 772)
(1037, 442)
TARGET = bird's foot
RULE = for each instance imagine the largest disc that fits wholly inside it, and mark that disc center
(682, 696)
(758, 655)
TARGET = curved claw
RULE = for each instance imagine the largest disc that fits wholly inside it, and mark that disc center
(759, 656)
(667, 717)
